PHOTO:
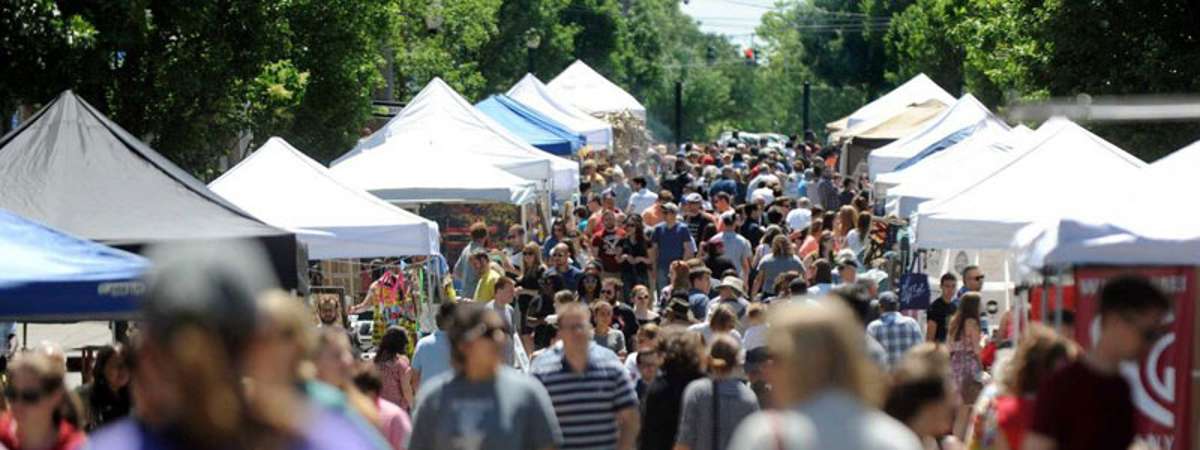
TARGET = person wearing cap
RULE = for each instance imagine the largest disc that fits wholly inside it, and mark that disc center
(701, 292)
(895, 332)
(801, 216)
(697, 220)
(678, 311)
(670, 241)
(731, 292)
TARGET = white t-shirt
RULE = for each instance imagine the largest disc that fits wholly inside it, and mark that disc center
(756, 336)
(799, 219)
(641, 200)
(707, 332)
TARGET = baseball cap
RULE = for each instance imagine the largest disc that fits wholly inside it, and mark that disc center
(888, 298)
(693, 198)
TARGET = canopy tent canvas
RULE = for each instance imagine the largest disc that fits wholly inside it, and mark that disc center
(285, 188)
(1135, 234)
(872, 136)
(963, 118)
(593, 93)
(48, 275)
(73, 169)
(985, 132)
(536, 96)
(909, 121)
(1181, 163)
(917, 90)
(529, 125)
(1033, 186)
(420, 174)
(949, 171)
(439, 120)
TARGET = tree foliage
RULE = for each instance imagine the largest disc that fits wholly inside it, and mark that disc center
(201, 80)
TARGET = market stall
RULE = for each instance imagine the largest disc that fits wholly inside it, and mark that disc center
(532, 93)
(71, 168)
(285, 188)
(531, 126)
(962, 119)
(49, 276)
(440, 121)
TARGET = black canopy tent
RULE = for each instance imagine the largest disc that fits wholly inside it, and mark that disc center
(72, 168)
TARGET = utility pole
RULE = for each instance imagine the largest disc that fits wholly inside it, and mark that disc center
(678, 114)
(807, 105)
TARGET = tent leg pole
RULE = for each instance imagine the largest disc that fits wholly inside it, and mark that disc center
(24, 335)
(525, 222)
(1058, 300)
(1045, 294)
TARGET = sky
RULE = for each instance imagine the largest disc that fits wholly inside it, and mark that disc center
(736, 19)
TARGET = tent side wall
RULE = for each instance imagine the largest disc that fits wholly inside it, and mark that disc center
(289, 260)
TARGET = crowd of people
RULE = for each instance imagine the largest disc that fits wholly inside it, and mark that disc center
(724, 297)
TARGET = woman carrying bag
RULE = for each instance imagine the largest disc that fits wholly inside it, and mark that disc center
(715, 406)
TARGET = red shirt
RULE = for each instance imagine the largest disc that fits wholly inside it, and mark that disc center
(69, 437)
(1081, 409)
(1014, 415)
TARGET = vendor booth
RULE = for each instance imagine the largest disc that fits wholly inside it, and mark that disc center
(50, 276)
(285, 188)
(71, 168)
(532, 127)
(535, 95)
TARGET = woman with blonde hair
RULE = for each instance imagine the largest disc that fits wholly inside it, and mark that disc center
(713, 407)
(37, 404)
(824, 383)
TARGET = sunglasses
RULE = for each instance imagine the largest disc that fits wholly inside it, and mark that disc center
(607, 292)
(978, 278)
(23, 396)
(530, 253)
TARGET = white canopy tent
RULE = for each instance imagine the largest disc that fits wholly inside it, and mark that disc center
(950, 170)
(422, 174)
(441, 121)
(594, 94)
(1062, 164)
(965, 117)
(282, 187)
(1137, 233)
(1184, 162)
(918, 90)
(532, 93)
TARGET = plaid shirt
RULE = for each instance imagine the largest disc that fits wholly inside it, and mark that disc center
(896, 333)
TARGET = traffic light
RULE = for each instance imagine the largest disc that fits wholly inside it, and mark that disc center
(751, 56)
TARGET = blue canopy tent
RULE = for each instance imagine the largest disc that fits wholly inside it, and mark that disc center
(531, 126)
(49, 276)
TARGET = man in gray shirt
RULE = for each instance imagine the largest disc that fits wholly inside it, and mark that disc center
(482, 404)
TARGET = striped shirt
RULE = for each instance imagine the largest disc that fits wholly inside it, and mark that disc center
(586, 403)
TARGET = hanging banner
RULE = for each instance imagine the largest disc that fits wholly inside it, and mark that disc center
(1161, 381)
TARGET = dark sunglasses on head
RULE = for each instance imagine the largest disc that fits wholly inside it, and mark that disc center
(23, 396)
